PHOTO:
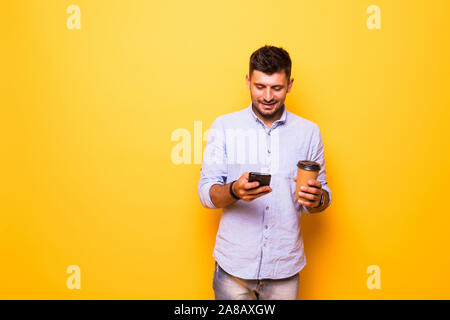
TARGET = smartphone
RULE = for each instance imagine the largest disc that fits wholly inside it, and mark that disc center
(263, 178)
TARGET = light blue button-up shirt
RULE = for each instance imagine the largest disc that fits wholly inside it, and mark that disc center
(260, 239)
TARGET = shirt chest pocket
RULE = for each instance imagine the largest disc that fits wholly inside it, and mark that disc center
(284, 189)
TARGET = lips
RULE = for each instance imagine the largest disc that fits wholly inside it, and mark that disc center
(268, 106)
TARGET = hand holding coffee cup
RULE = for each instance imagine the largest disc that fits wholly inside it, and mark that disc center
(309, 190)
(249, 191)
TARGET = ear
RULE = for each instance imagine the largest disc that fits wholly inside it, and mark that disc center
(248, 81)
(290, 84)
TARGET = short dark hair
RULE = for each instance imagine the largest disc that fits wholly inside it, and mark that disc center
(269, 60)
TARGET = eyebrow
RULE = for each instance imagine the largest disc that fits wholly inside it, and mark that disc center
(260, 84)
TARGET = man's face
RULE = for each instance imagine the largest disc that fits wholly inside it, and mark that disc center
(268, 92)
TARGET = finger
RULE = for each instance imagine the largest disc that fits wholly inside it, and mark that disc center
(259, 190)
(295, 178)
(253, 197)
(308, 196)
(312, 190)
(262, 194)
(315, 183)
(251, 185)
(256, 191)
(306, 203)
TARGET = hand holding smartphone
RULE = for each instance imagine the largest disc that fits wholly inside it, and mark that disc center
(262, 178)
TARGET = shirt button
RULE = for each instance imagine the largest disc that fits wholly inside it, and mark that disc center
(265, 245)
(267, 208)
(268, 151)
(266, 226)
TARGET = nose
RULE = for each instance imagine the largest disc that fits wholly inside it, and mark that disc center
(268, 95)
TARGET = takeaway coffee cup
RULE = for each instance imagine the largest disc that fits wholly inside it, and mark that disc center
(306, 170)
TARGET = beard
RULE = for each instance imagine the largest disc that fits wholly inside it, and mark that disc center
(268, 110)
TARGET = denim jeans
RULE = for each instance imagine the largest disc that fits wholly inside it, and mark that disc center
(228, 287)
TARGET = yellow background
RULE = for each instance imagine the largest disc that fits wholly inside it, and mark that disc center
(87, 116)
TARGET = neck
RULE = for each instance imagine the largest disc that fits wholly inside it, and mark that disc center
(269, 120)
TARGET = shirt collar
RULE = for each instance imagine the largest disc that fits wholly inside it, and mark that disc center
(281, 120)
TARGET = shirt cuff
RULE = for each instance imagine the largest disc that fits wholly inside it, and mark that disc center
(205, 197)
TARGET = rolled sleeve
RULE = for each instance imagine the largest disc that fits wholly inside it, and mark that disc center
(317, 155)
(214, 166)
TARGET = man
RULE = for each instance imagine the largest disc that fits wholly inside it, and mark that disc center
(259, 246)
